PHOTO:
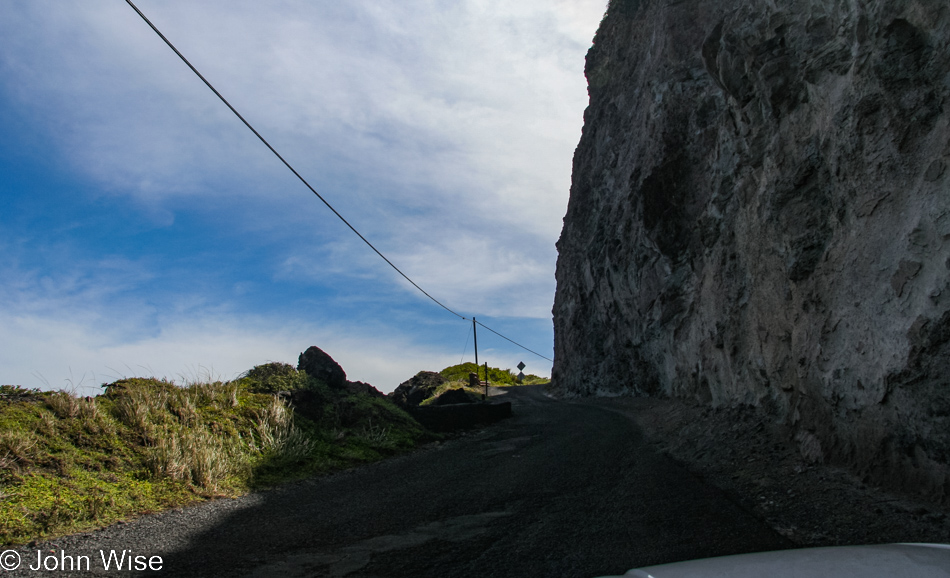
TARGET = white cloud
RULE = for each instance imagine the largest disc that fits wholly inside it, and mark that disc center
(51, 352)
(87, 323)
(443, 131)
(462, 98)
(491, 269)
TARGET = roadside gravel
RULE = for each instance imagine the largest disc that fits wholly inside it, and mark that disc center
(750, 458)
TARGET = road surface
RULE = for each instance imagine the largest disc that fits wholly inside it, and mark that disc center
(563, 488)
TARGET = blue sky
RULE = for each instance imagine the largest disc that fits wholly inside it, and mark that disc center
(145, 231)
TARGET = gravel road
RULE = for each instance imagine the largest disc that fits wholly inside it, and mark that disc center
(561, 489)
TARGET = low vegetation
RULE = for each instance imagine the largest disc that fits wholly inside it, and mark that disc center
(457, 378)
(497, 377)
(70, 463)
(474, 394)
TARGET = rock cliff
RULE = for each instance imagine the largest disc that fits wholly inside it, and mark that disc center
(760, 214)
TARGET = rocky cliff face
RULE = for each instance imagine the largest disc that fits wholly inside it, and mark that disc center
(760, 214)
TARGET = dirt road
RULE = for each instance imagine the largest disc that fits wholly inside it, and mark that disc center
(560, 489)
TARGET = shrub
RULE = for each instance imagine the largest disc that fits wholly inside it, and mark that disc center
(274, 377)
(495, 376)
(63, 404)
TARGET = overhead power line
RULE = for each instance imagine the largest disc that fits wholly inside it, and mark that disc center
(304, 181)
(516, 343)
(287, 164)
(464, 349)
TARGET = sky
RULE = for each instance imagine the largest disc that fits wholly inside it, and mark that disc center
(144, 231)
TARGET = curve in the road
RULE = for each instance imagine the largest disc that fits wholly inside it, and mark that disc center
(560, 489)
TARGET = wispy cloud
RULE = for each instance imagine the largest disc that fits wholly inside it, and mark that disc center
(89, 325)
(443, 131)
(62, 353)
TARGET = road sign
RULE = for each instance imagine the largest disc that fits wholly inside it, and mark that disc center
(521, 365)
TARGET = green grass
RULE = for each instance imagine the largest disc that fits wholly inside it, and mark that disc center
(474, 393)
(70, 463)
(497, 377)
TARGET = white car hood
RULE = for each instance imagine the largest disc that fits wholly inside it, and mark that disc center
(891, 561)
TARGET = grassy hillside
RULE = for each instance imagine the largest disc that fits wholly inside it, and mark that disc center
(497, 377)
(70, 463)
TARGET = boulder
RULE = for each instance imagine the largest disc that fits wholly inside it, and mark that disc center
(361, 387)
(457, 395)
(417, 389)
(320, 365)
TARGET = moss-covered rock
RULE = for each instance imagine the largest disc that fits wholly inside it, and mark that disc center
(417, 389)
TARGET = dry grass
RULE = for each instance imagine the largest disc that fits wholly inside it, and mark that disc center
(276, 432)
(187, 449)
(88, 408)
(70, 463)
(194, 456)
(136, 406)
(17, 449)
(221, 394)
(375, 433)
(63, 404)
(48, 423)
(183, 404)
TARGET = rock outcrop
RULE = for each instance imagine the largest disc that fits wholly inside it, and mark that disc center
(417, 388)
(364, 388)
(760, 214)
(318, 364)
